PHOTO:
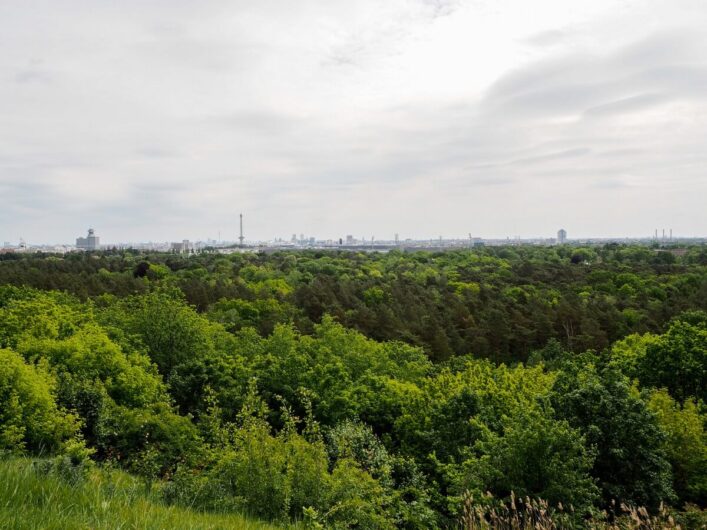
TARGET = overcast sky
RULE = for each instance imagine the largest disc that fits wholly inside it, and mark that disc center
(164, 119)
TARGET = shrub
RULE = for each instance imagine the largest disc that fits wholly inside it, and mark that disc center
(151, 441)
(274, 477)
(404, 490)
(29, 416)
(72, 465)
(535, 456)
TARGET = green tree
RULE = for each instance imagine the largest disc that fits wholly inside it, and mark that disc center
(535, 456)
(630, 464)
(678, 362)
(685, 444)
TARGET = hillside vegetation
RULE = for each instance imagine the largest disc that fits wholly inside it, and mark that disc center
(336, 390)
(30, 499)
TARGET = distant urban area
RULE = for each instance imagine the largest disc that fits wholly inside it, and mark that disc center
(92, 242)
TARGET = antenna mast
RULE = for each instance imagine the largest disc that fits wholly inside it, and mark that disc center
(240, 238)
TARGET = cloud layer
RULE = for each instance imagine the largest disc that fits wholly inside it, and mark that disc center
(164, 119)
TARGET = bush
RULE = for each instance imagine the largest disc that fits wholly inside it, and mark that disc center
(354, 499)
(282, 476)
(149, 441)
(405, 493)
(535, 456)
(273, 477)
(30, 419)
(72, 466)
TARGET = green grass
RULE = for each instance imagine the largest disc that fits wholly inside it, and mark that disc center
(105, 500)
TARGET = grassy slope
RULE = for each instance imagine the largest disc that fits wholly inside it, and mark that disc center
(107, 500)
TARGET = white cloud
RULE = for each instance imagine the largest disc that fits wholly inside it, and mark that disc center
(164, 119)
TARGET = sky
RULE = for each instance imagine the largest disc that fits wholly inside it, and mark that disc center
(158, 120)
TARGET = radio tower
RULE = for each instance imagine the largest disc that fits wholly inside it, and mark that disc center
(240, 238)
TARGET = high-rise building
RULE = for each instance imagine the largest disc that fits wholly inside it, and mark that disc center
(182, 248)
(561, 236)
(90, 242)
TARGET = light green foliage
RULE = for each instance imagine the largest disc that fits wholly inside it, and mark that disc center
(628, 354)
(454, 408)
(262, 314)
(583, 255)
(171, 331)
(407, 367)
(277, 287)
(29, 416)
(158, 271)
(190, 352)
(122, 402)
(685, 444)
(465, 288)
(26, 313)
(89, 355)
(64, 334)
(354, 500)
(274, 477)
(676, 360)
(472, 427)
(338, 366)
(281, 476)
(356, 441)
(72, 465)
(373, 295)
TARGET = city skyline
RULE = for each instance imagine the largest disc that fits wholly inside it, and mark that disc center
(162, 121)
(93, 240)
(233, 235)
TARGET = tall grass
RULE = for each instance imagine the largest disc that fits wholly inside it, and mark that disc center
(536, 514)
(32, 499)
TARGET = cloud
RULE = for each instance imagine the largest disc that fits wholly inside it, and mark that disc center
(628, 104)
(633, 76)
(442, 8)
(33, 76)
(546, 38)
(160, 120)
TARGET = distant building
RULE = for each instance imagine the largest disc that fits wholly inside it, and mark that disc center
(184, 247)
(90, 242)
(561, 236)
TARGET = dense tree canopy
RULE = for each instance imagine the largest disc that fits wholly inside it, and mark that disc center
(358, 390)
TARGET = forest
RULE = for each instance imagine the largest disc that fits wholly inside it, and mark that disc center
(495, 387)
